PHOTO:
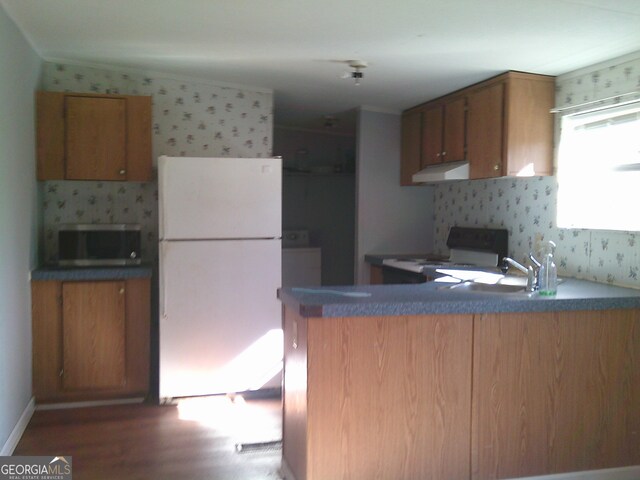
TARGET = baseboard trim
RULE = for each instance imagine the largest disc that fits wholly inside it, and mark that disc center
(285, 471)
(16, 434)
(93, 403)
(622, 473)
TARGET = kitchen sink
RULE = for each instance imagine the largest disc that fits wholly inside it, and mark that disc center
(487, 287)
(491, 284)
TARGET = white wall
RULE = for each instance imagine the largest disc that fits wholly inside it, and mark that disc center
(389, 218)
(19, 74)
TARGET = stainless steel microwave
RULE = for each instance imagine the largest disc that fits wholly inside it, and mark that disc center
(88, 245)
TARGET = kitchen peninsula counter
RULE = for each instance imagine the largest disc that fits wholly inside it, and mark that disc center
(431, 298)
(411, 381)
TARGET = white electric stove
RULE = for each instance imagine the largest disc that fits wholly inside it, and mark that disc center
(469, 248)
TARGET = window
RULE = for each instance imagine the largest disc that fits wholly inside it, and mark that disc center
(599, 169)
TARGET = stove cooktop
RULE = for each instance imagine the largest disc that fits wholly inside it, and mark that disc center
(419, 265)
(469, 247)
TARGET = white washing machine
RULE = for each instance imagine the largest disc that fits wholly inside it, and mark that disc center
(301, 264)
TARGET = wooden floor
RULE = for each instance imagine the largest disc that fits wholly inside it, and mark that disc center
(194, 440)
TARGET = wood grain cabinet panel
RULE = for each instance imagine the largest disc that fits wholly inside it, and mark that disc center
(93, 339)
(96, 136)
(441, 137)
(454, 132)
(485, 131)
(93, 137)
(443, 131)
(378, 398)
(46, 316)
(555, 392)
(486, 396)
(411, 149)
(529, 134)
(90, 339)
(432, 136)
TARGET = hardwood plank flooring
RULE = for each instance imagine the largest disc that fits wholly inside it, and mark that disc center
(194, 440)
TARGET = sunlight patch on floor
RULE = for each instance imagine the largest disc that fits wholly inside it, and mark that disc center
(232, 415)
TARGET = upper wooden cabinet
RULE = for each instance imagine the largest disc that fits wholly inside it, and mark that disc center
(485, 134)
(93, 137)
(510, 128)
(502, 126)
(411, 153)
(443, 132)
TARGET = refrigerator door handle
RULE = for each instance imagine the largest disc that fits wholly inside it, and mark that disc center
(161, 285)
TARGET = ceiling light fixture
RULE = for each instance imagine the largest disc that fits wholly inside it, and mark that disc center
(358, 66)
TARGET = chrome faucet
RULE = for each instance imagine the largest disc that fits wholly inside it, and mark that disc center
(531, 271)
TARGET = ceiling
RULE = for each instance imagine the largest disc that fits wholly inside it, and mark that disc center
(416, 49)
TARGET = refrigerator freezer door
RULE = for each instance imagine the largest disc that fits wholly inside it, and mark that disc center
(220, 319)
(219, 198)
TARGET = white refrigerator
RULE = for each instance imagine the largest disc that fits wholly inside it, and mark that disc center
(220, 268)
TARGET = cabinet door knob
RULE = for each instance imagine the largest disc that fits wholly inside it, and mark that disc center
(437, 154)
(121, 291)
(444, 153)
(61, 373)
(496, 167)
(122, 171)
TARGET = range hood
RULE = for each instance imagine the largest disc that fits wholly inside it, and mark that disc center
(443, 172)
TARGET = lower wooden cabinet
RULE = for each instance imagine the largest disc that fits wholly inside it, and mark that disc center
(468, 396)
(377, 397)
(90, 339)
(555, 392)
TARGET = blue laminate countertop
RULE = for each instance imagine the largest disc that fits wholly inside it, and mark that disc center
(430, 298)
(66, 274)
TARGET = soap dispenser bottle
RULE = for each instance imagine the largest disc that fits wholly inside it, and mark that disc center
(548, 273)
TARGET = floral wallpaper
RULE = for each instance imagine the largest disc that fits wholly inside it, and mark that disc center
(190, 118)
(526, 207)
